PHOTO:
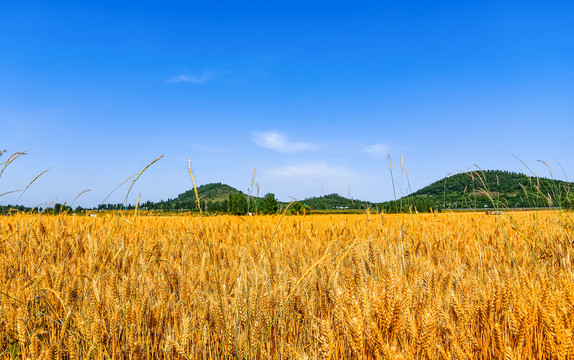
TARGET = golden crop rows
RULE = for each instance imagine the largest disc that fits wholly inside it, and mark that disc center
(436, 286)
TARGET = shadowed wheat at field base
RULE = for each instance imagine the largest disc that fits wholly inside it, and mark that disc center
(434, 286)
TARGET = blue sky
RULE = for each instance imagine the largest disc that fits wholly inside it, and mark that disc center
(314, 95)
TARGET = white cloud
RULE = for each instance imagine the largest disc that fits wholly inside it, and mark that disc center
(200, 78)
(312, 171)
(311, 179)
(279, 142)
(377, 149)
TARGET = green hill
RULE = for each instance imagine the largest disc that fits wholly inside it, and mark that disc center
(218, 193)
(334, 201)
(491, 188)
(479, 189)
(209, 192)
(214, 197)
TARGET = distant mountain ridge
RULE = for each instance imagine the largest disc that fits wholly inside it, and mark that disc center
(495, 180)
(477, 189)
(209, 192)
(335, 201)
(473, 189)
(490, 188)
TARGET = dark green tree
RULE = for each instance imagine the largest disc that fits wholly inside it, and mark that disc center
(269, 204)
(224, 207)
(568, 202)
(238, 204)
(299, 209)
(61, 208)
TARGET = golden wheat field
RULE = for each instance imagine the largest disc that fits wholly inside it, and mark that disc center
(424, 286)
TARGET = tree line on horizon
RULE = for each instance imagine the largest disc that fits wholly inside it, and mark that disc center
(472, 190)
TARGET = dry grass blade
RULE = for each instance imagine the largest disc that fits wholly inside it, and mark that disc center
(80, 194)
(138, 176)
(11, 159)
(194, 187)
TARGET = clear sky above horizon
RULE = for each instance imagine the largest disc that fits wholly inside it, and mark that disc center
(314, 95)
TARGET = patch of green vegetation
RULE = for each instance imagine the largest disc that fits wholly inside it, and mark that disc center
(214, 197)
(476, 189)
(335, 201)
(480, 189)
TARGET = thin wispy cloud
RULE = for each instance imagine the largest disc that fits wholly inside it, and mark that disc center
(279, 142)
(200, 78)
(313, 171)
(377, 149)
(312, 178)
